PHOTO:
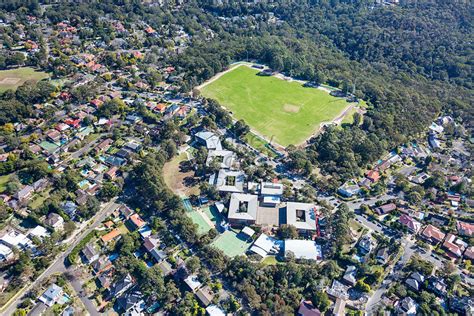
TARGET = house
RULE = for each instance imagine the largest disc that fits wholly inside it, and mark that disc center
(40, 185)
(412, 225)
(243, 209)
(307, 309)
(349, 277)
(413, 284)
(6, 253)
(366, 244)
(121, 286)
(208, 139)
(90, 253)
(465, 229)
(386, 208)
(349, 190)
(302, 249)
(228, 180)
(115, 161)
(112, 235)
(104, 145)
(432, 234)
(51, 295)
(469, 253)
(24, 194)
(205, 295)
(382, 256)
(54, 136)
(408, 306)
(105, 279)
(214, 310)
(437, 285)
(452, 249)
(38, 232)
(151, 242)
(126, 212)
(16, 239)
(165, 267)
(302, 216)
(338, 290)
(418, 277)
(373, 176)
(69, 208)
(132, 146)
(192, 282)
(132, 303)
(137, 221)
(111, 174)
(101, 265)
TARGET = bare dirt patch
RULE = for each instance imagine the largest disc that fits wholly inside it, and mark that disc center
(291, 108)
(179, 176)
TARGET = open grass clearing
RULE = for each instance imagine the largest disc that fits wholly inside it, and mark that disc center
(4, 181)
(179, 181)
(13, 78)
(231, 244)
(285, 112)
(259, 144)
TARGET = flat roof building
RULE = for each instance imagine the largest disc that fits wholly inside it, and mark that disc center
(302, 216)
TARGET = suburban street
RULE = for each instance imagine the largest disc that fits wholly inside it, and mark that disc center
(58, 266)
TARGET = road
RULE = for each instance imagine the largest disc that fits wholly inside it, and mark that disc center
(58, 266)
(78, 153)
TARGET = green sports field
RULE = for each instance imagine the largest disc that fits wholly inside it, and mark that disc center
(13, 78)
(285, 111)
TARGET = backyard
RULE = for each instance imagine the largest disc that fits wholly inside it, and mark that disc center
(285, 112)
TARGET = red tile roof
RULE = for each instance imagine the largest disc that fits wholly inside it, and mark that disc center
(433, 233)
(114, 233)
(137, 220)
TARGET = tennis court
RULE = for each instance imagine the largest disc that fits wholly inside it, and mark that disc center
(230, 243)
(196, 217)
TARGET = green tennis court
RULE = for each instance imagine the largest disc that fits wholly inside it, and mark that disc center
(231, 244)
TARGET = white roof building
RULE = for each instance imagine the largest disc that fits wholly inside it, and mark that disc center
(39, 231)
(301, 215)
(228, 181)
(193, 282)
(225, 158)
(51, 295)
(264, 245)
(210, 139)
(270, 188)
(16, 239)
(243, 208)
(213, 310)
(303, 249)
(5, 253)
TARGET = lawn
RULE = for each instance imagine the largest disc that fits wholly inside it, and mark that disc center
(282, 111)
(13, 78)
(3, 182)
(259, 144)
(231, 244)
